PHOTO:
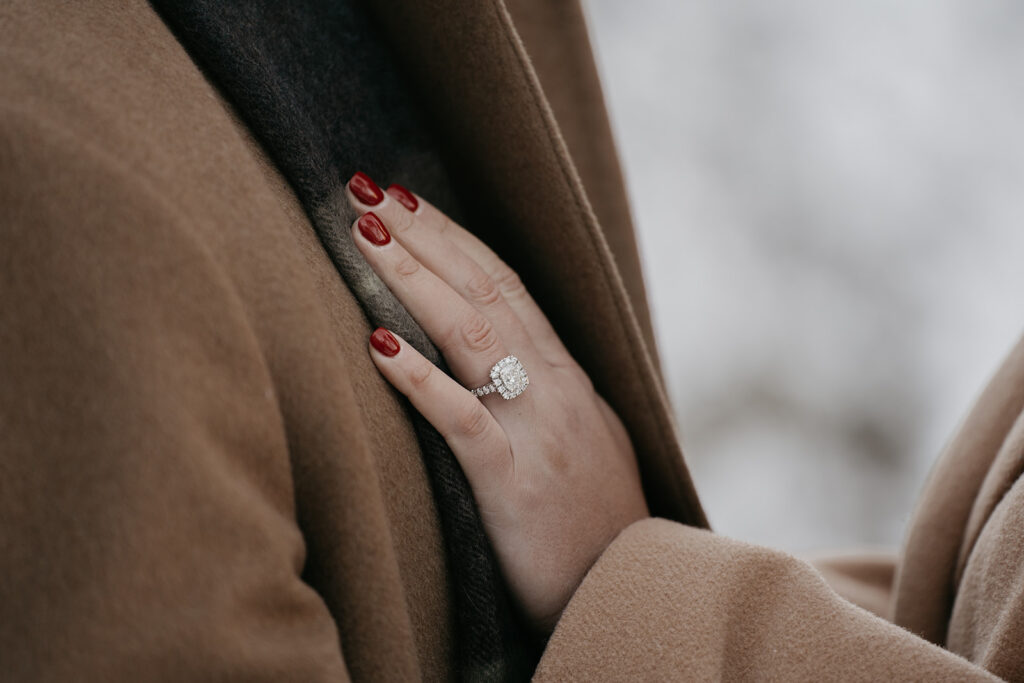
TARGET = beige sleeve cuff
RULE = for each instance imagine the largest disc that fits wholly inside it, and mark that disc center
(669, 602)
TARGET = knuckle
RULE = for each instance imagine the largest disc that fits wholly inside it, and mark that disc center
(509, 282)
(406, 266)
(477, 334)
(420, 375)
(472, 420)
(482, 289)
(402, 222)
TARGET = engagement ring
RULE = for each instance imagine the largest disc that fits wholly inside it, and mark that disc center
(508, 378)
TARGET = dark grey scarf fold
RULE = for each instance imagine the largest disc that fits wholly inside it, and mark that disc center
(317, 85)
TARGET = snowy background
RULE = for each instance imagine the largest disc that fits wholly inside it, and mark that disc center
(830, 205)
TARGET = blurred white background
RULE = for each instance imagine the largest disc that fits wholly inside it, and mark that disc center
(829, 203)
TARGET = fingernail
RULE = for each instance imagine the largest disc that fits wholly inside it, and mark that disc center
(385, 342)
(365, 189)
(404, 197)
(373, 230)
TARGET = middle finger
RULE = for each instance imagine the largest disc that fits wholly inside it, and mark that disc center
(462, 273)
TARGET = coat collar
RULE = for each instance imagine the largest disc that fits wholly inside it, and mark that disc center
(525, 198)
(962, 491)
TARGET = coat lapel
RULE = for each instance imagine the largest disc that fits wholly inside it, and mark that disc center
(1006, 469)
(524, 197)
(938, 537)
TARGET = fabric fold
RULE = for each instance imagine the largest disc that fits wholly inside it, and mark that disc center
(318, 87)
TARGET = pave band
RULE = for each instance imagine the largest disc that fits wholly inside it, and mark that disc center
(508, 378)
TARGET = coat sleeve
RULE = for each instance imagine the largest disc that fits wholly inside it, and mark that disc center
(146, 522)
(670, 602)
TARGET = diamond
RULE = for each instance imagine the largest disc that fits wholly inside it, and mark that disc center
(509, 377)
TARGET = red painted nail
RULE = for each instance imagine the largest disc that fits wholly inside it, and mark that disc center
(365, 189)
(385, 342)
(373, 230)
(404, 197)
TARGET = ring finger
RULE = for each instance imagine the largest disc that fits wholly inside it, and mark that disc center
(467, 339)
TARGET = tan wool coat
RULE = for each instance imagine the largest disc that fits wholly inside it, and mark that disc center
(203, 477)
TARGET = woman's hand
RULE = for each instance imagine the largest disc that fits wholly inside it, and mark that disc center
(552, 470)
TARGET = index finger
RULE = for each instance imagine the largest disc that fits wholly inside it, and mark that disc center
(537, 325)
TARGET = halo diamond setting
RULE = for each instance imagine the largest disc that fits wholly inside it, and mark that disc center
(508, 378)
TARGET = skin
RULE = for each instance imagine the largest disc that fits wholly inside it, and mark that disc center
(553, 470)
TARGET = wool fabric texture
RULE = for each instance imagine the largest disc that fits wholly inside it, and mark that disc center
(203, 476)
(319, 88)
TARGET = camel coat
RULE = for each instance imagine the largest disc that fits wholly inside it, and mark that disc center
(203, 477)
